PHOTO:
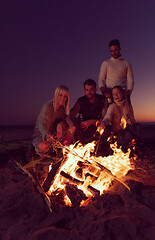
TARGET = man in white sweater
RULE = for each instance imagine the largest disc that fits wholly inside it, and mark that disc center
(115, 71)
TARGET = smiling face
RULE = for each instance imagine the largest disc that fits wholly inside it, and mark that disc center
(115, 51)
(62, 98)
(117, 94)
(90, 91)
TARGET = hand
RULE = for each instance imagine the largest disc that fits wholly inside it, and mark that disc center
(107, 94)
(72, 129)
(86, 124)
(129, 121)
(101, 127)
(49, 137)
(128, 92)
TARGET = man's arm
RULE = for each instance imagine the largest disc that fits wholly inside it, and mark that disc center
(102, 76)
(86, 124)
(130, 79)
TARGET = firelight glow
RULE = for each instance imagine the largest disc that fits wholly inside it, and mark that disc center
(118, 164)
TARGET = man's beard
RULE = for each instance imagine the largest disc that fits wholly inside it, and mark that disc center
(90, 96)
(117, 56)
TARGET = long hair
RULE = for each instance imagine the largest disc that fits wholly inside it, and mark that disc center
(62, 89)
(128, 107)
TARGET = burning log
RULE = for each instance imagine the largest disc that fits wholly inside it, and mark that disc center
(93, 177)
(74, 194)
(82, 164)
(103, 168)
(88, 165)
(79, 168)
(93, 190)
(70, 178)
(57, 199)
(79, 172)
(58, 144)
(93, 169)
(50, 178)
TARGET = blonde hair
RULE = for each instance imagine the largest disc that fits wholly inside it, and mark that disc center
(65, 90)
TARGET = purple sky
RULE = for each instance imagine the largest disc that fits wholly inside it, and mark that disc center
(48, 43)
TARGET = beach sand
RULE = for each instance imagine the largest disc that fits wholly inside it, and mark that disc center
(117, 214)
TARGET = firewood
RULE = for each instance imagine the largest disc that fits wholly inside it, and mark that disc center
(93, 190)
(57, 199)
(70, 178)
(82, 164)
(92, 169)
(50, 178)
(79, 172)
(73, 194)
(82, 194)
(93, 177)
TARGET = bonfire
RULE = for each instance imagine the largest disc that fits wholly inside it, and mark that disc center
(78, 175)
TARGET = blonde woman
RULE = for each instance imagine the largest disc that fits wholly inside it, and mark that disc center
(53, 119)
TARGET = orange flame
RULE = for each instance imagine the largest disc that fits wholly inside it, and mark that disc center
(100, 130)
(118, 164)
(123, 123)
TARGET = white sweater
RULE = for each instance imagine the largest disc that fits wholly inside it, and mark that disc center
(116, 72)
(116, 112)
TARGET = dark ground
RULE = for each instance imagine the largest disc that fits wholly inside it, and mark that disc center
(117, 214)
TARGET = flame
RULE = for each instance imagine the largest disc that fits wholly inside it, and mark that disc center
(91, 177)
(123, 123)
(99, 128)
(101, 131)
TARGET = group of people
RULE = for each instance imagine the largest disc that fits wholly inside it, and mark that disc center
(93, 112)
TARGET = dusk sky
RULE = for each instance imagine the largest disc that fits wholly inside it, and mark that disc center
(47, 43)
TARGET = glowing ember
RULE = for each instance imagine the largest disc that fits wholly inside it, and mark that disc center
(90, 174)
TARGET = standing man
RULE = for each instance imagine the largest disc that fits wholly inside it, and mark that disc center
(87, 111)
(116, 71)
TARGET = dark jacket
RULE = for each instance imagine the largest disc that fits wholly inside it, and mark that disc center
(86, 110)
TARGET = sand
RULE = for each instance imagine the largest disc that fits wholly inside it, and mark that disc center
(117, 214)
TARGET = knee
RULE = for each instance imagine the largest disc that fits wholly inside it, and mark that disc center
(59, 130)
(42, 147)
